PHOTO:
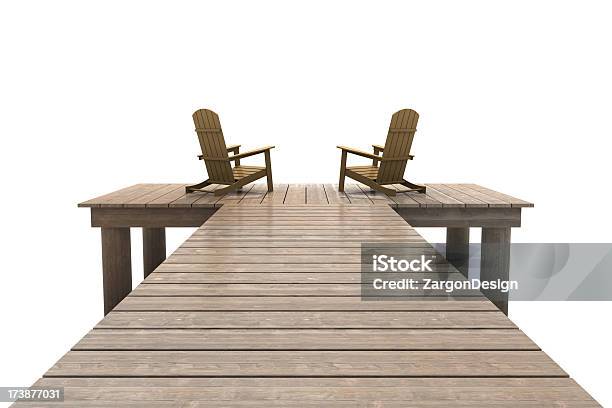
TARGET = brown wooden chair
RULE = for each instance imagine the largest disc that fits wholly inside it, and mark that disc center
(217, 160)
(395, 155)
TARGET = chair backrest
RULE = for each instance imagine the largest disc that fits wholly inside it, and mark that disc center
(399, 140)
(211, 139)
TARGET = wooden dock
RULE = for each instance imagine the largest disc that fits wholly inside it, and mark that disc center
(261, 307)
(154, 207)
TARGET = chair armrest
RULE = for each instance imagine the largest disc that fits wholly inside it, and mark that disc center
(251, 153)
(231, 148)
(359, 152)
(380, 148)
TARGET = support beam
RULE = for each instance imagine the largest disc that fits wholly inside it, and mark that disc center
(116, 266)
(458, 248)
(153, 248)
(495, 263)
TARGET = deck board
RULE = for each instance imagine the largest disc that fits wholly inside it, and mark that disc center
(328, 392)
(238, 317)
(294, 303)
(346, 363)
(306, 339)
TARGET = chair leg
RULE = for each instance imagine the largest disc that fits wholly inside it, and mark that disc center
(378, 187)
(342, 171)
(269, 171)
(198, 186)
(414, 187)
(225, 190)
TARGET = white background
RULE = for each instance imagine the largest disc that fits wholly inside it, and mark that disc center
(97, 96)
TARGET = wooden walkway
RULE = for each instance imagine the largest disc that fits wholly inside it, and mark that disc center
(261, 307)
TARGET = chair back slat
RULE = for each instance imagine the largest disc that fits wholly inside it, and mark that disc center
(399, 140)
(212, 142)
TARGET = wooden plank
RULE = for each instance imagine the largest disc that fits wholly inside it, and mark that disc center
(168, 198)
(255, 195)
(513, 201)
(205, 199)
(293, 222)
(150, 217)
(491, 200)
(461, 217)
(466, 199)
(285, 278)
(235, 239)
(143, 200)
(234, 197)
(402, 200)
(258, 267)
(280, 218)
(328, 392)
(283, 289)
(95, 202)
(312, 339)
(376, 197)
(307, 320)
(305, 403)
(301, 210)
(276, 197)
(343, 252)
(334, 196)
(315, 194)
(120, 200)
(288, 208)
(294, 303)
(307, 363)
(121, 197)
(296, 194)
(251, 259)
(201, 242)
(356, 195)
(313, 232)
(295, 225)
(405, 199)
(446, 200)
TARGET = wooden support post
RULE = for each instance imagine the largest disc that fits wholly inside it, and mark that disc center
(495, 263)
(116, 266)
(153, 248)
(458, 248)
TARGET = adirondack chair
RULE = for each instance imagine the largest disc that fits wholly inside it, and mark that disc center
(395, 155)
(218, 161)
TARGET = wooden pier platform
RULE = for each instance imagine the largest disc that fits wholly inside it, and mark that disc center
(261, 307)
(154, 207)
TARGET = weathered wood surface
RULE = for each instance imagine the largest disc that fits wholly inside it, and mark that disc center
(437, 196)
(321, 392)
(256, 348)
